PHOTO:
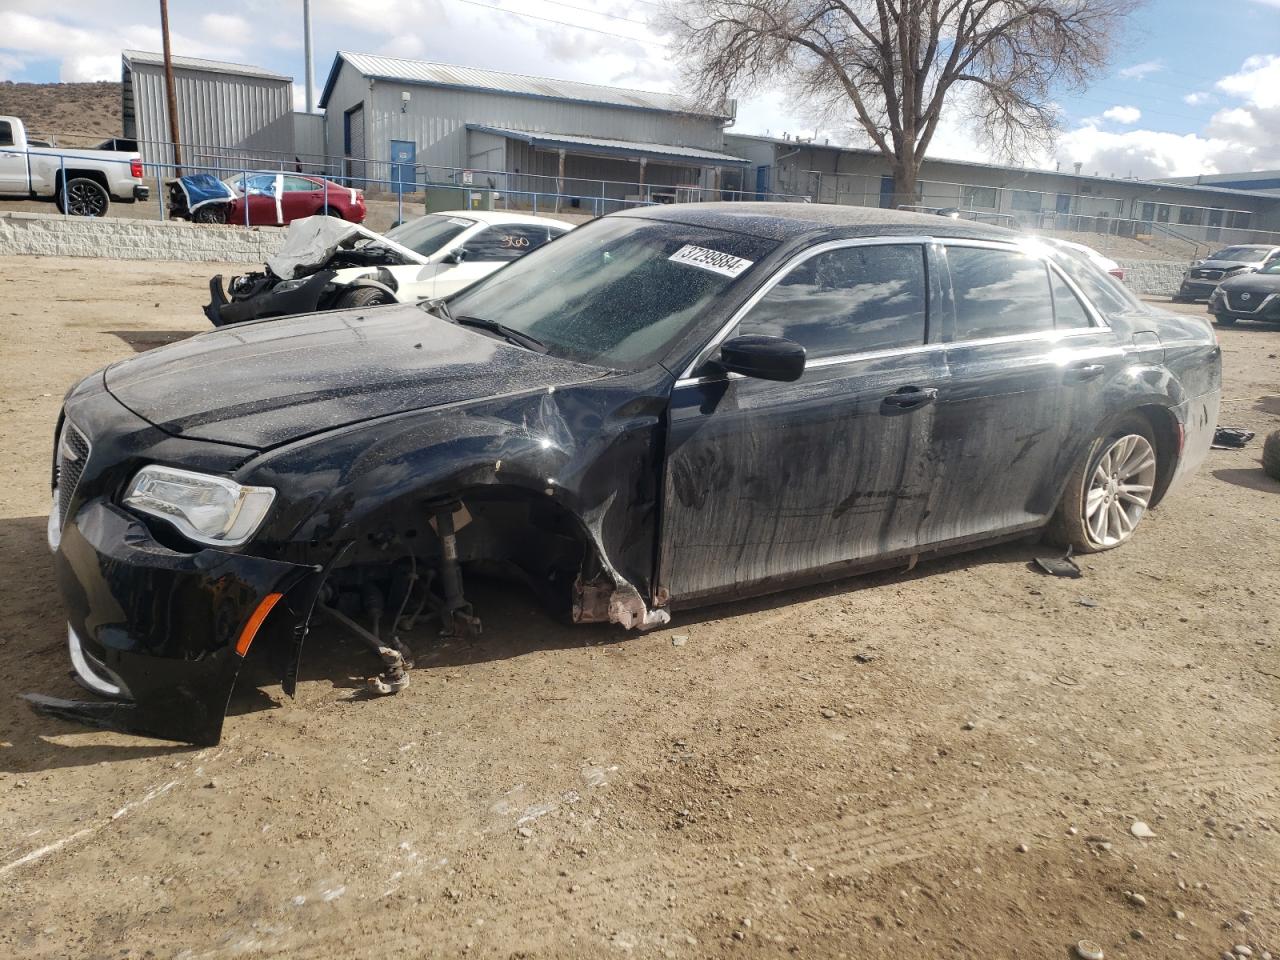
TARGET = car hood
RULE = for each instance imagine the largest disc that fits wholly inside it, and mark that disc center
(1222, 265)
(1268, 282)
(266, 383)
(311, 241)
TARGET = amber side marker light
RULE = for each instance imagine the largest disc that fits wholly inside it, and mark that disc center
(255, 622)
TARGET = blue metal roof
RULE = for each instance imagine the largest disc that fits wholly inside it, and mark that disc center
(573, 143)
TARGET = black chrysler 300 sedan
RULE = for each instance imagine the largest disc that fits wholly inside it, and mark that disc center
(665, 408)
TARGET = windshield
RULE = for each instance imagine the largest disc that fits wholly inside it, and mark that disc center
(1272, 268)
(618, 292)
(430, 234)
(1241, 254)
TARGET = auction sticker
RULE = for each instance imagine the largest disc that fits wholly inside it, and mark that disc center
(713, 260)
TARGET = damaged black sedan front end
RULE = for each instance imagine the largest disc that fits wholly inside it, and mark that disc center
(159, 632)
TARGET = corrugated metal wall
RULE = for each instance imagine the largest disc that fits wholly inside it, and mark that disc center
(436, 118)
(220, 116)
(308, 140)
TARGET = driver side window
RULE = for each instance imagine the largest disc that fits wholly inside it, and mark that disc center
(849, 300)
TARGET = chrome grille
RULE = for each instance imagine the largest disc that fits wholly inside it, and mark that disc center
(1207, 274)
(73, 452)
(1236, 301)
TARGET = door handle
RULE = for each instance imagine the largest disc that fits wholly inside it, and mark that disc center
(1085, 371)
(909, 398)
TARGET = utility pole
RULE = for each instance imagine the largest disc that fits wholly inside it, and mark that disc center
(169, 88)
(306, 30)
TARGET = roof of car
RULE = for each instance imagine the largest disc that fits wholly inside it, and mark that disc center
(783, 221)
(501, 216)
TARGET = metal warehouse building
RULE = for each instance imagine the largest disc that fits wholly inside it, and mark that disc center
(385, 114)
(1022, 196)
(228, 113)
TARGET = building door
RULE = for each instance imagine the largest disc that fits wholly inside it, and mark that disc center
(353, 148)
(403, 174)
(886, 192)
(763, 176)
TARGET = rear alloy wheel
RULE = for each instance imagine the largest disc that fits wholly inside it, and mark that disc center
(82, 197)
(1110, 492)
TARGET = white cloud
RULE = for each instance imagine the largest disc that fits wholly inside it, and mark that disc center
(1257, 82)
(1198, 98)
(1125, 115)
(84, 68)
(1140, 70)
(10, 66)
(227, 29)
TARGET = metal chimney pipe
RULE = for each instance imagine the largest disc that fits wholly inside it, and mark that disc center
(306, 30)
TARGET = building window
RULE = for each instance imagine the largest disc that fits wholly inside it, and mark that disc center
(974, 197)
(1191, 216)
(1027, 200)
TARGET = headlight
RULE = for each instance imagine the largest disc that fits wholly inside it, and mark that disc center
(284, 286)
(212, 510)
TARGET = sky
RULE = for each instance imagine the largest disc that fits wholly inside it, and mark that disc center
(1193, 88)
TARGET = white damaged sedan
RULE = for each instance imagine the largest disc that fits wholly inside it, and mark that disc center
(326, 264)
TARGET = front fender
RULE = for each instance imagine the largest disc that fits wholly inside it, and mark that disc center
(598, 462)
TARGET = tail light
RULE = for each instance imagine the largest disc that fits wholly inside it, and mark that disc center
(135, 169)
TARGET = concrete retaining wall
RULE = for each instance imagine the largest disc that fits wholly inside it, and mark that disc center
(1159, 278)
(117, 238)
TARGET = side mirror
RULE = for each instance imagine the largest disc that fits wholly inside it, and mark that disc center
(763, 357)
(455, 256)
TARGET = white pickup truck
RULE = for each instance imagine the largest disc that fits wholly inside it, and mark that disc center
(93, 178)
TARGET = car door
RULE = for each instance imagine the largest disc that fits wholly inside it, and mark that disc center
(263, 196)
(13, 163)
(302, 197)
(766, 481)
(1028, 365)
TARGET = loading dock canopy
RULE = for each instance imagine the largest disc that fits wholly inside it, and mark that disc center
(656, 152)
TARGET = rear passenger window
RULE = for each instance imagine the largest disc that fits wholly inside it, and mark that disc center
(998, 293)
(850, 300)
(1068, 312)
(6, 134)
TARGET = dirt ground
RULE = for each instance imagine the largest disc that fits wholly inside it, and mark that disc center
(942, 763)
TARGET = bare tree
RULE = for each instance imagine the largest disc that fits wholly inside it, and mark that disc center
(898, 63)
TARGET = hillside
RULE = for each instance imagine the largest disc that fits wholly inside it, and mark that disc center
(75, 114)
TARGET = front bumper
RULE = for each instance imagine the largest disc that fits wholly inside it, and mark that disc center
(1257, 306)
(1197, 289)
(270, 303)
(159, 626)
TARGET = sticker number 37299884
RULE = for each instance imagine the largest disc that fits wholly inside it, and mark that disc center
(712, 260)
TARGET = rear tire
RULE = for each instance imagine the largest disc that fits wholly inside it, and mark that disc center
(364, 297)
(1223, 320)
(1271, 455)
(1110, 489)
(82, 197)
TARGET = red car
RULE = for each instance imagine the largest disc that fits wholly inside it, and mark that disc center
(277, 198)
